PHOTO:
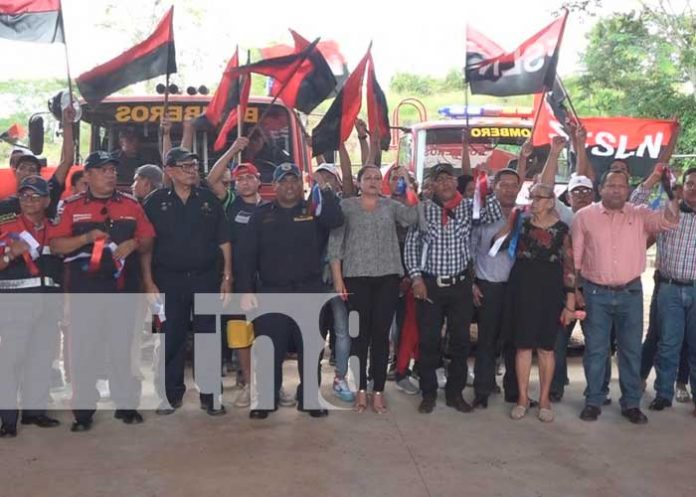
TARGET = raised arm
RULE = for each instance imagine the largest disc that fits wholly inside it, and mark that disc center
(548, 174)
(466, 160)
(214, 178)
(67, 158)
(346, 171)
(361, 129)
(525, 153)
(584, 167)
(166, 129)
(187, 135)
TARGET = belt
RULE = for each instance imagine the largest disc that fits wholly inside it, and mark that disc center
(672, 281)
(615, 288)
(445, 281)
(28, 283)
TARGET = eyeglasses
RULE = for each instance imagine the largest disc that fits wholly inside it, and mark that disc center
(30, 197)
(187, 166)
(537, 197)
(578, 192)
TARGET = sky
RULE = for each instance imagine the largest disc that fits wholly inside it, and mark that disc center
(426, 37)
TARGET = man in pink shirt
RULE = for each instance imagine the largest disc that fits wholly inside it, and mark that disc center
(609, 240)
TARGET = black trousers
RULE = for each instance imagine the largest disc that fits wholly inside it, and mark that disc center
(490, 339)
(374, 298)
(179, 289)
(455, 304)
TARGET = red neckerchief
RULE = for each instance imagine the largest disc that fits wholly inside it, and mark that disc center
(448, 208)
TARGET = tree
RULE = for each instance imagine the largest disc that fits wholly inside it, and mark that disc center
(641, 64)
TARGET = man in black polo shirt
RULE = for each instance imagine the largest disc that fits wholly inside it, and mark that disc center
(27, 164)
(191, 233)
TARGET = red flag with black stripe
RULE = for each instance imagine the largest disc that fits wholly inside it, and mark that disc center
(153, 57)
(240, 99)
(336, 125)
(377, 110)
(311, 84)
(226, 97)
(31, 20)
(529, 69)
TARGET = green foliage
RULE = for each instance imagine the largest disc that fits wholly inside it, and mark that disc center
(419, 85)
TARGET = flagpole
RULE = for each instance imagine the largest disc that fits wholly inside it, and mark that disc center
(567, 95)
(283, 86)
(240, 118)
(67, 58)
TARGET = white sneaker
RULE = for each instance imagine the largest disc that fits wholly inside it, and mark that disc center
(244, 398)
(285, 399)
(441, 377)
(470, 378)
(407, 386)
(103, 388)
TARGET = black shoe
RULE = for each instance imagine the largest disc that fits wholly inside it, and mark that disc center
(590, 413)
(427, 405)
(129, 416)
(8, 431)
(81, 425)
(607, 401)
(481, 401)
(459, 404)
(166, 408)
(497, 389)
(555, 397)
(318, 413)
(659, 404)
(258, 414)
(42, 421)
(635, 416)
(213, 411)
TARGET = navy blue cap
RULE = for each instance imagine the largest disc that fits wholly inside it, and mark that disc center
(284, 169)
(35, 183)
(100, 158)
(178, 154)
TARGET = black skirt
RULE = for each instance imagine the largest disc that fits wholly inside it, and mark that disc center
(534, 302)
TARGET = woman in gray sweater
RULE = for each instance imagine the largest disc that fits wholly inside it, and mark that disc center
(366, 268)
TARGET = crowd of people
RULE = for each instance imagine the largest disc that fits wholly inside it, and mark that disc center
(417, 264)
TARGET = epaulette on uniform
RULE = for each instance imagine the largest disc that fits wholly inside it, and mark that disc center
(74, 198)
(7, 218)
(129, 197)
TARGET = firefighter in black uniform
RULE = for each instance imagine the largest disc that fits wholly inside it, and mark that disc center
(28, 323)
(192, 234)
(283, 249)
(100, 231)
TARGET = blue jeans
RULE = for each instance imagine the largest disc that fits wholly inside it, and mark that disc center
(560, 372)
(624, 310)
(340, 328)
(677, 311)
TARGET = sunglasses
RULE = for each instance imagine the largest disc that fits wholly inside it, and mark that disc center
(187, 166)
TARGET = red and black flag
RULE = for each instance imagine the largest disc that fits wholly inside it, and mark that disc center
(530, 68)
(336, 125)
(311, 84)
(31, 20)
(377, 110)
(153, 57)
(553, 115)
(640, 143)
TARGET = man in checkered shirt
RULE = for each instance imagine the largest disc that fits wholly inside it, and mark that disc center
(676, 296)
(437, 256)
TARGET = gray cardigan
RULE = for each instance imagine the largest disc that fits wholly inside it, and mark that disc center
(367, 243)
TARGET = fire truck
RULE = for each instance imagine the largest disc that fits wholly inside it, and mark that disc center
(284, 136)
(497, 134)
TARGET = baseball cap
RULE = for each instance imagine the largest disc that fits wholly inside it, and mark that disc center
(506, 170)
(100, 158)
(442, 167)
(178, 154)
(329, 168)
(579, 181)
(283, 170)
(35, 183)
(151, 172)
(245, 168)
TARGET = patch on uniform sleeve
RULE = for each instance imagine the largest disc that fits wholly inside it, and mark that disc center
(303, 218)
(6, 218)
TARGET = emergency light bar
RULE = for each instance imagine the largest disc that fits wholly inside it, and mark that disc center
(461, 111)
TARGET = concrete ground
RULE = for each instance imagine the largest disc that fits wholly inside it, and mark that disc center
(402, 453)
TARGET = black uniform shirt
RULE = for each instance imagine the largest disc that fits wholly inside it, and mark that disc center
(189, 234)
(285, 246)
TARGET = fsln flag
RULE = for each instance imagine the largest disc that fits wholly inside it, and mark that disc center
(551, 107)
(31, 20)
(226, 97)
(336, 125)
(153, 57)
(377, 110)
(530, 68)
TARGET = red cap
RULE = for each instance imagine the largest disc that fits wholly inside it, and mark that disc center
(245, 168)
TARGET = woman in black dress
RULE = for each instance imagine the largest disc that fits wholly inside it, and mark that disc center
(541, 294)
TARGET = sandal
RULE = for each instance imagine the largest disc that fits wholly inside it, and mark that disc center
(378, 406)
(545, 415)
(518, 412)
(361, 401)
